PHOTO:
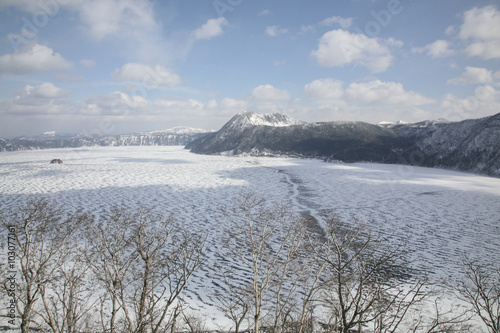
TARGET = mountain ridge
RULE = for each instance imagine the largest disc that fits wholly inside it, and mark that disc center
(471, 145)
(177, 136)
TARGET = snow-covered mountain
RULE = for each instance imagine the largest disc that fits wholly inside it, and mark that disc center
(247, 119)
(177, 136)
(470, 145)
(269, 119)
(349, 141)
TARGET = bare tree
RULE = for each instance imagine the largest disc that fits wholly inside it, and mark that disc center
(144, 261)
(42, 234)
(195, 323)
(482, 292)
(168, 256)
(267, 242)
(441, 321)
(111, 255)
(365, 282)
(234, 302)
(70, 297)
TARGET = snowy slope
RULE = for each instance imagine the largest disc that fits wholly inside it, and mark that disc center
(339, 140)
(441, 215)
(472, 145)
(269, 119)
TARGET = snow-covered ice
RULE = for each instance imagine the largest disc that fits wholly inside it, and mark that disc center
(440, 215)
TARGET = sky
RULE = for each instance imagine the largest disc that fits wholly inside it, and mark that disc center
(102, 67)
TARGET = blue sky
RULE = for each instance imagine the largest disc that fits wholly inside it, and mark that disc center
(103, 67)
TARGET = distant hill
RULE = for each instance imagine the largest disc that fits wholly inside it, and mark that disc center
(470, 145)
(177, 136)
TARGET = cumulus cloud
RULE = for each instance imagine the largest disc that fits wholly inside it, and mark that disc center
(275, 31)
(472, 75)
(266, 98)
(269, 93)
(127, 106)
(148, 75)
(324, 89)
(212, 28)
(384, 93)
(480, 29)
(339, 47)
(27, 99)
(42, 101)
(233, 104)
(45, 90)
(484, 102)
(369, 101)
(35, 59)
(437, 49)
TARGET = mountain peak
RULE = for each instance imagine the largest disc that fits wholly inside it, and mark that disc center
(269, 119)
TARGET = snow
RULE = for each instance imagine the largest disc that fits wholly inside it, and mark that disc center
(268, 119)
(440, 215)
(181, 130)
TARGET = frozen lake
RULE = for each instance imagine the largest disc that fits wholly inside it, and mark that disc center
(441, 215)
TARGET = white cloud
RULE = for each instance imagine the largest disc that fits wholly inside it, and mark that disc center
(394, 42)
(371, 101)
(480, 28)
(46, 90)
(472, 75)
(45, 93)
(306, 28)
(123, 18)
(450, 30)
(264, 12)
(269, 93)
(274, 31)
(266, 98)
(324, 89)
(344, 22)
(227, 107)
(132, 26)
(147, 75)
(383, 93)
(212, 28)
(484, 102)
(42, 102)
(35, 59)
(437, 49)
(233, 104)
(340, 47)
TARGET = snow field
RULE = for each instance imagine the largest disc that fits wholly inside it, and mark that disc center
(439, 215)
